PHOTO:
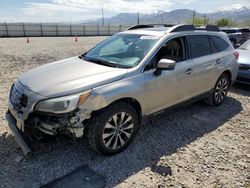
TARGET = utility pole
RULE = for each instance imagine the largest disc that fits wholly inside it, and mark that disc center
(205, 19)
(193, 16)
(138, 18)
(102, 17)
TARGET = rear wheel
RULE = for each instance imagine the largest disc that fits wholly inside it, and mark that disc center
(113, 128)
(219, 92)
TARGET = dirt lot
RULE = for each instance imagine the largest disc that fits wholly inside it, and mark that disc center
(193, 146)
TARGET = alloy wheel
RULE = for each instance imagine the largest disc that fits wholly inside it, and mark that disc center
(221, 90)
(118, 130)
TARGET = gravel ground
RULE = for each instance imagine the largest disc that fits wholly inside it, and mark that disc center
(192, 146)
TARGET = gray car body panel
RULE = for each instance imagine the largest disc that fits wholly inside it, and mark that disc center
(69, 76)
(244, 57)
(244, 61)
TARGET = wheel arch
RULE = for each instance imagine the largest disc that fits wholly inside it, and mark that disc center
(229, 74)
(134, 103)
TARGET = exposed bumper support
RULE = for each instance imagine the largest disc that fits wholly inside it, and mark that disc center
(17, 133)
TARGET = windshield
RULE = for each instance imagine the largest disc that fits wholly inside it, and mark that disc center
(245, 46)
(122, 50)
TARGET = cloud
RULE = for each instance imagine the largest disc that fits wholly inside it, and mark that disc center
(80, 10)
(117, 5)
(59, 10)
(236, 6)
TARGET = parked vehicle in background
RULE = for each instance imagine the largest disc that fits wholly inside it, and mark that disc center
(244, 63)
(110, 91)
(237, 35)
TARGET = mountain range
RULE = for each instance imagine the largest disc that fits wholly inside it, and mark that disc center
(239, 14)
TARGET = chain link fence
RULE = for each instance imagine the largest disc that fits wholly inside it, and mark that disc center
(55, 29)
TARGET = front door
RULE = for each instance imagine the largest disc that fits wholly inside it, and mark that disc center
(171, 86)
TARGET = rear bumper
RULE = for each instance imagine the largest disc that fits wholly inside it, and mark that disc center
(19, 136)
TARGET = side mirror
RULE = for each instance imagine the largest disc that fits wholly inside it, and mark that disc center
(164, 64)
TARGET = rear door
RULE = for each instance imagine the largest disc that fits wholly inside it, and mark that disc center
(204, 62)
(222, 54)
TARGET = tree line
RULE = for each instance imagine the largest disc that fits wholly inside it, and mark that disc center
(224, 22)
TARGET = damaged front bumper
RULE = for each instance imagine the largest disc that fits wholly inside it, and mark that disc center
(29, 125)
(19, 135)
(36, 126)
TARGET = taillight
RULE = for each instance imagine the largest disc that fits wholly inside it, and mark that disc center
(237, 55)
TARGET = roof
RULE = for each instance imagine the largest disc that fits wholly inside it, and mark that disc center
(163, 29)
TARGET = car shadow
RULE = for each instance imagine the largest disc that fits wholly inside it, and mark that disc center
(241, 89)
(163, 135)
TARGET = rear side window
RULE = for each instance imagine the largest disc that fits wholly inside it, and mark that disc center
(200, 45)
(220, 44)
(231, 31)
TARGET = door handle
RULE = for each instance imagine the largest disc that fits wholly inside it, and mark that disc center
(218, 61)
(188, 71)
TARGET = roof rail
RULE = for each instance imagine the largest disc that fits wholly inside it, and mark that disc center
(177, 28)
(140, 27)
(150, 26)
(181, 27)
(209, 28)
(212, 28)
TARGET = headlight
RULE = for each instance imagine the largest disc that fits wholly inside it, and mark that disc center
(62, 104)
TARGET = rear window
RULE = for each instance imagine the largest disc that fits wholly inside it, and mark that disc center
(221, 44)
(245, 30)
(229, 31)
(200, 45)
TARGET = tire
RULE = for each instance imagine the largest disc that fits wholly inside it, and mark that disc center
(219, 93)
(113, 128)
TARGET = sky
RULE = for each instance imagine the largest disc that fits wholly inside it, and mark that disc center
(80, 10)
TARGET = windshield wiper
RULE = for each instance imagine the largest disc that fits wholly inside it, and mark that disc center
(82, 56)
(100, 61)
(103, 62)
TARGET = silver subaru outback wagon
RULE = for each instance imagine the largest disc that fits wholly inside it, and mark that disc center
(108, 92)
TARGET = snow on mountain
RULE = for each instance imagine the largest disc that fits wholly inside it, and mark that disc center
(234, 12)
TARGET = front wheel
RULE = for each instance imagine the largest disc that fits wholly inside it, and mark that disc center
(113, 128)
(219, 92)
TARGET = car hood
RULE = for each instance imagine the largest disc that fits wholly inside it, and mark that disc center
(69, 76)
(244, 57)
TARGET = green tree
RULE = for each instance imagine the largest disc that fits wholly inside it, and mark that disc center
(225, 22)
(198, 21)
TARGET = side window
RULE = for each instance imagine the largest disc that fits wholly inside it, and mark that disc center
(220, 44)
(213, 47)
(174, 49)
(200, 45)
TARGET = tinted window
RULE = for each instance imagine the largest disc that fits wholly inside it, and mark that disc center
(228, 31)
(220, 44)
(200, 45)
(174, 49)
(213, 47)
(245, 30)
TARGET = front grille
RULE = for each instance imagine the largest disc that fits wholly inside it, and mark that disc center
(18, 99)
